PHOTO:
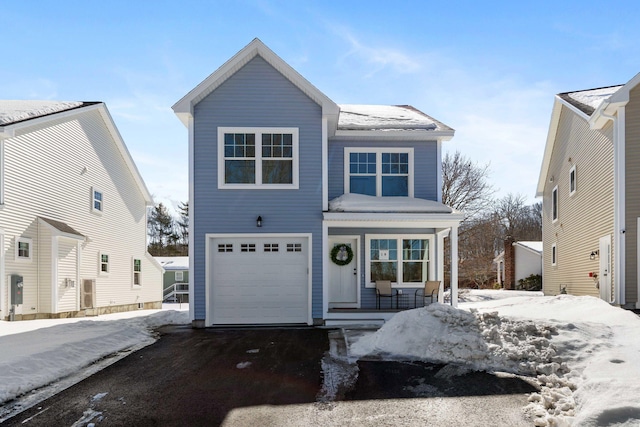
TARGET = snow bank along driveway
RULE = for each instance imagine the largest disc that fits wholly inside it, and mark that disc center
(581, 351)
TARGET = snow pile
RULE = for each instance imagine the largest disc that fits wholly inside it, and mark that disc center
(13, 111)
(440, 333)
(581, 351)
(35, 358)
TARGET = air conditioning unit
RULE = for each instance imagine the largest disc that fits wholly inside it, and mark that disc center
(88, 294)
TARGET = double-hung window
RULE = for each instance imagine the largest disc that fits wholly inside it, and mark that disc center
(137, 272)
(97, 200)
(104, 263)
(379, 171)
(404, 260)
(258, 158)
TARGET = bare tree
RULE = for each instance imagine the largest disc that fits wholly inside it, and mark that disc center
(520, 221)
(464, 184)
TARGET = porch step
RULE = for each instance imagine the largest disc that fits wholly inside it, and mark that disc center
(355, 323)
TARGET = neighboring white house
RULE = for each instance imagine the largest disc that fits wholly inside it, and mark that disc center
(72, 214)
(524, 259)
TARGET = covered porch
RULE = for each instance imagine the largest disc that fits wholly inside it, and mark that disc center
(395, 239)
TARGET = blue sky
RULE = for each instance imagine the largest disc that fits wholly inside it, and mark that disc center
(487, 69)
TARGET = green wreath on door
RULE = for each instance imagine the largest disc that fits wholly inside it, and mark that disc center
(341, 254)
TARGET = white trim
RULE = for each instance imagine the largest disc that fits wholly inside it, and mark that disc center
(210, 236)
(192, 236)
(439, 172)
(573, 172)
(619, 205)
(325, 164)
(54, 274)
(258, 131)
(454, 265)
(398, 283)
(637, 261)
(391, 135)
(398, 220)
(3, 302)
(554, 205)
(554, 254)
(29, 241)
(378, 152)
(1, 171)
(358, 258)
(184, 107)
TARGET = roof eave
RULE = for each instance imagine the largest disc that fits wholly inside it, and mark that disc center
(551, 137)
(411, 135)
(184, 107)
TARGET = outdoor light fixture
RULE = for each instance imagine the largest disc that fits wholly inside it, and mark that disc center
(259, 221)
(593, 255)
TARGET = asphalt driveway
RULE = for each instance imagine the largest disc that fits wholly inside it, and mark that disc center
(273, 377)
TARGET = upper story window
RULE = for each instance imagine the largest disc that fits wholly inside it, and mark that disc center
(554, 254)
(554, 204)
(379, 171)
(97, 200)
(179, 276)
(24, 249)
(257, 158)
(572, 180)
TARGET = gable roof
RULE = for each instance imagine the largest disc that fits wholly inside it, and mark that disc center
(184, 107)
(534, 246)
(19, 115)
(595, 106)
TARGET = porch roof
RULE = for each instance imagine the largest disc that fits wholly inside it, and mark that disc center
(62, 228)
(359, 207)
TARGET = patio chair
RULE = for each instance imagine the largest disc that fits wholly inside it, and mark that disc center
(430, 290)
(384, 290)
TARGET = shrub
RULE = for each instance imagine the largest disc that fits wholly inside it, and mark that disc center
(531, 283)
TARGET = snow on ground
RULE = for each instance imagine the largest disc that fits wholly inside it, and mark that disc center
(36, 353)
(581, 351)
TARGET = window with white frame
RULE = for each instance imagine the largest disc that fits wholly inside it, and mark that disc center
(179, 276)
(104, 263)
(404, 260)
(97, 200)
(257, 157)
(554, 254)
(379, 171)
(554, 204)
(572, 180)
(137, 272)
(24, 249)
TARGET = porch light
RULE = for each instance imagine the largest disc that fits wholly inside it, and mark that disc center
(593, 255)
(259, 221)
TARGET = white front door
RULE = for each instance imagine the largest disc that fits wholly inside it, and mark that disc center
(604, 275)
(343, 279)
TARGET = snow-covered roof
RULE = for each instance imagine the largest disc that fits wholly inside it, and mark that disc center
(386, 117)
(12, 111)
(363, 203)
(535, 246)
(589, 100)
(173, 262)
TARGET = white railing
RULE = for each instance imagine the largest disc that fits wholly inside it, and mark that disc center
(173, 291)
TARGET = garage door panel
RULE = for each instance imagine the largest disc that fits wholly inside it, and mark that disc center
(270, 285)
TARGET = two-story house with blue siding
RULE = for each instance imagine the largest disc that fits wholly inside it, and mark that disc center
(299, 205)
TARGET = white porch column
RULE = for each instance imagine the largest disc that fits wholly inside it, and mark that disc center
(454, 265)
(440, 275)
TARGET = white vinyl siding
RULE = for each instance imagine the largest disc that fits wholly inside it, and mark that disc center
(49, 172)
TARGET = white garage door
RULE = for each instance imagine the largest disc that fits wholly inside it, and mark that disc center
(261, 280)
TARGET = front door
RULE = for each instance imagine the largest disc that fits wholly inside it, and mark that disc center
(343, 279)
(604, 279)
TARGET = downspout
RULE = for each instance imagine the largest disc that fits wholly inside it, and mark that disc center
(619, 205)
